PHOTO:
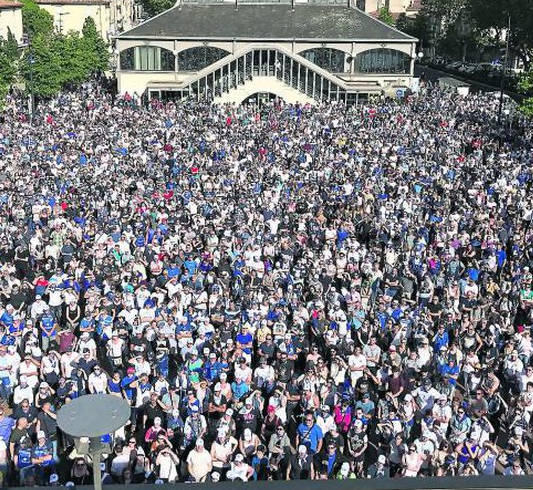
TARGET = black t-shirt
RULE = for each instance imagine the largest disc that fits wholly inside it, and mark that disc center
(48, 425)
(17, 299)
(434, 308)
(17, 434)
(152, 412)
(30, 415)
(268, 349)
(285, 370)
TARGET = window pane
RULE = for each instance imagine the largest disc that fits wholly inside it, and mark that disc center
(382, 61)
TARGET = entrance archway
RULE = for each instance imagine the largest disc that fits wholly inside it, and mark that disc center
(261, 98)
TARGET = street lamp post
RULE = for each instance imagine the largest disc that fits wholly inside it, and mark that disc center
(31, 61)
(504, 72)
(90, 417)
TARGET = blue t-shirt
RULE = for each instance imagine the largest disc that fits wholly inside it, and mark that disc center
(447, 369)
(125, 384)
(244, 339)
(24, 458)
(310, 436)
(41, 451)
(48, 322)
(6, 319)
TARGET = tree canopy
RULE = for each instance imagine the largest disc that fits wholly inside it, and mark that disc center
(385, 16)
(154, 7)
(53, 60)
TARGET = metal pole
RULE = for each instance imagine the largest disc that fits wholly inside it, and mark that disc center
(97, 475)
(32, 99)
(95, 455)
(504, 74)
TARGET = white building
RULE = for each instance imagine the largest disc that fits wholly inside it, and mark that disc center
(11, 19)
(230, 52)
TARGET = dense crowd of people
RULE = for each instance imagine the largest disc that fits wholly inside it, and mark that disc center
(285, 292)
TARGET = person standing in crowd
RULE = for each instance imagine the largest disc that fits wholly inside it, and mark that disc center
(286, 293)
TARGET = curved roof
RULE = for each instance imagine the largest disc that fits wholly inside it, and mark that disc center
(279, 22)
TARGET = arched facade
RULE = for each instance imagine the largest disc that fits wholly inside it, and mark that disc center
(197, 58)
(147, 58)
(330, 59)
(382, 60)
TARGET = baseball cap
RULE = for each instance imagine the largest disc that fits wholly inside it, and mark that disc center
(239, 457)
(41, 434)
(54, 478)
(382, 459)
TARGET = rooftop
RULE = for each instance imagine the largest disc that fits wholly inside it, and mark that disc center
(279, 22)
(73, 2)
(9, 4)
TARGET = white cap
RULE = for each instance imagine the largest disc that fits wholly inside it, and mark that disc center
(41, 434)
(200, 442)
(239, 457)
(54, 478)
(382, 459)
(302, 449)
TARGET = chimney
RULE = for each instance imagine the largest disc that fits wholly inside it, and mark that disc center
(292, 5)
(236, 4)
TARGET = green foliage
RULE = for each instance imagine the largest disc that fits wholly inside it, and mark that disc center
(41, 67)
(96, 49)
(8, 66)
(154, 7)
(74, 66)
(36, 21)
(12, 46)
(418, 26)
(55, 61)
(526, 87)
(487, 19)
(385, 16)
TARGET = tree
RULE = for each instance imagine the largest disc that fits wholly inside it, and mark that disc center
(491, 18)
(526, 87)
(36, 21)
(74, 61)
(95, 47)
(154, 7)
(41, 67)
(385, 16)
(418, 26)
(8, 67)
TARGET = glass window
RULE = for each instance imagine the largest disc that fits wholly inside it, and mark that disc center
(326, 58)
(382, 61)
(147, 58)
(195, 59)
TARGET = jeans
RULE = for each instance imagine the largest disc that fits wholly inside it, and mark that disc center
(5, 387)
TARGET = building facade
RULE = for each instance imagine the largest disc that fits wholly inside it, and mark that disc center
(11, 19)
(110, 16)
(226, 53)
